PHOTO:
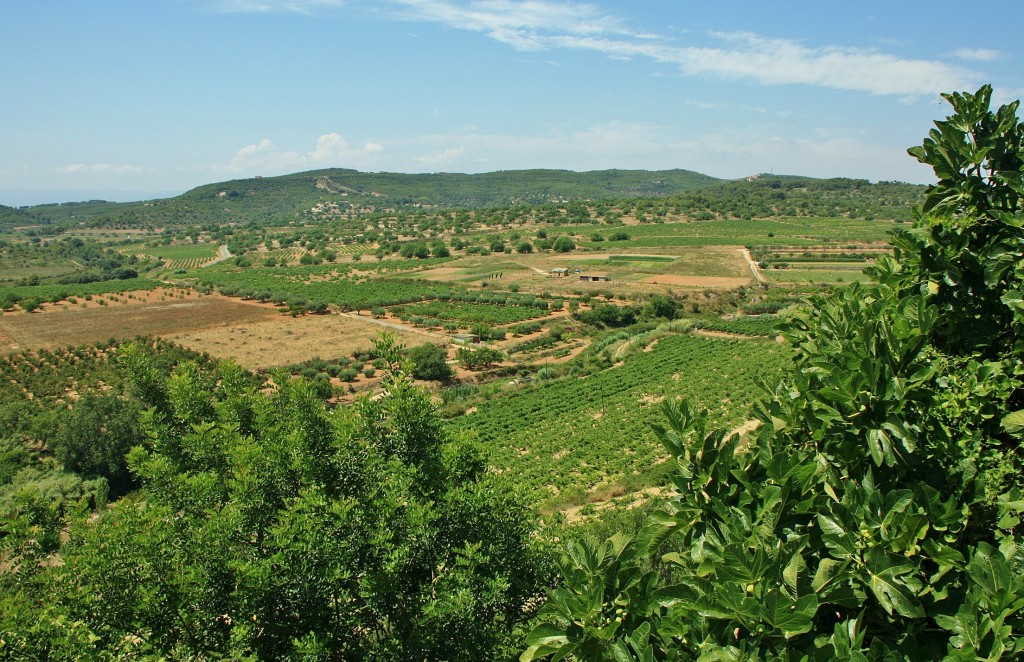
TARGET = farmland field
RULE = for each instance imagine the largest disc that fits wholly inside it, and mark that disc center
(275, 340)
(798, 231)
(74, 324)
(575, 435)
(824, 274)
(173, 252)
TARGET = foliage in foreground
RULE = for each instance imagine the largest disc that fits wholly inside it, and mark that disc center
(269, 528)
(877, 513)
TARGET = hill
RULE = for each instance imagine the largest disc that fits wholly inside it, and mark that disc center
(10, 217)
(767, 196)
(270, 200)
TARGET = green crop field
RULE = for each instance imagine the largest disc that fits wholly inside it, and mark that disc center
(824, 275)
(576, 434)
(800, 231)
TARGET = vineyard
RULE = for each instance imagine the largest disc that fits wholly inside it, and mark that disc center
(284, 286)
(175, 256)
(744, 326)
(54, 293)
(800, 231)
(572, 435)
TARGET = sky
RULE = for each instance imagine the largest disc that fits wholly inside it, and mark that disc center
(130, 99)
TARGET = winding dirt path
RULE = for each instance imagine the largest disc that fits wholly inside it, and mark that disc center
(753, 265)
(222, 254)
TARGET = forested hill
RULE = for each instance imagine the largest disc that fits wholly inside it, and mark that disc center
(275, 199)
(766, 196)
(10, 216)
(289, 198)
(489, 189)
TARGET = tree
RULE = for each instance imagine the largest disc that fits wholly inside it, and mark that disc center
(662, 306)
(268, 527)
(524, 247)
(608, 315)
(475, 359)
(430, 361)
(563, 244)
(876, 513)
(93, 439)
(966, 247)
(977, 156)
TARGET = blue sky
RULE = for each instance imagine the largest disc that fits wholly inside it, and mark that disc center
(129, 99)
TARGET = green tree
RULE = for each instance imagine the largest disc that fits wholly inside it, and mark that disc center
(563, 244)
(875, 514)
(93, 439)
(477, 358)
(430, 361)
(30, 304)
(268, 527)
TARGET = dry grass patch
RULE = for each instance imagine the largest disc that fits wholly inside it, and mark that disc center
(278, 340)
(59, 326)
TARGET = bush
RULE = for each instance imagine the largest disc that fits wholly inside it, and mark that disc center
(564, 244)
(430, 362)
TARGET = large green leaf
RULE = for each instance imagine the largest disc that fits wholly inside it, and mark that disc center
(889, 583)
(1014, 423)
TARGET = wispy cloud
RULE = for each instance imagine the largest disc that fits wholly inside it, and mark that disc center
(543, 25)
(977, 54)
(330, 150)
(442, 159)
(551, 25)
(526, 25)
(762, 147)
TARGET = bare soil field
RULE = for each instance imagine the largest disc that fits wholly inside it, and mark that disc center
(70, 324)
(253, 334)
(279, 340)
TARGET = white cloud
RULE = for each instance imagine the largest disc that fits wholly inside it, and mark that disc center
(545, 25)
(785, 62)
(1004, 95)
(541, 25)
(331, 150)
(523, 25)
(977, 54)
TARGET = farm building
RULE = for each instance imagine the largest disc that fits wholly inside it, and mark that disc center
(560, 272)
(465, 338)
(595, 278)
